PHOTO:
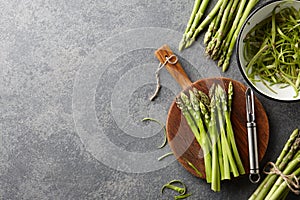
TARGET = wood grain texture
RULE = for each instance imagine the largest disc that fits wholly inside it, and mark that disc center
(183, 142)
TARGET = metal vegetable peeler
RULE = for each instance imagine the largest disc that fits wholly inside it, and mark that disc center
(254, 175)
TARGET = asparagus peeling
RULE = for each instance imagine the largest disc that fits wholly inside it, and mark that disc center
(182, 191)
(272, 50)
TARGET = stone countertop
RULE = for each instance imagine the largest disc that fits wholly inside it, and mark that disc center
(75, 81)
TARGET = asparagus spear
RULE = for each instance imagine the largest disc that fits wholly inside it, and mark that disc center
(198, 17)
(190, 22)
(193, 24)
(198, 118)
(205, 114)
(214, 119)
(223, 14)
(219, 16)
(230, 96)
(204, 102)
(293, 150)
(203, 24)
(217, 162)
(272, 177)
(224, 143)
(292, 139)
(188, 117)
(223, 30)
(210, 31)
(203, 98)
(227, 151)
(284, 194)
(226, 42)
(248, 9)
(211, 115)
(200, 135)
(229, 130)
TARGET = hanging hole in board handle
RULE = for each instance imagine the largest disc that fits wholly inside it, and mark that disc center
(254, 178)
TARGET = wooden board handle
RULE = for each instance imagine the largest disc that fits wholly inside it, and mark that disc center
(175, 69)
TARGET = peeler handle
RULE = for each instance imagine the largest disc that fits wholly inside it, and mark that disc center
(254, 176)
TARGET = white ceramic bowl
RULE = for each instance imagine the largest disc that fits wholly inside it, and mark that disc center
(264, 11)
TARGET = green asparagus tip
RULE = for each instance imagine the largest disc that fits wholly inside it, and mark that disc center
(215, 54)
(196, 92)
(207, 38)
(225, 66)
(180, 104)
(202, 106)
(221, 61)
(184, 98)
(191, 92)
(189, 42)
(194, 100)
(230, 88)
(193, 97)
(222, 94)
(211, 91)
(186, 101)
(182, 43)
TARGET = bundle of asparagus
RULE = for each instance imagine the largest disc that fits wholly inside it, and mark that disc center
(224, 22)
(209, 119)
(284, 175)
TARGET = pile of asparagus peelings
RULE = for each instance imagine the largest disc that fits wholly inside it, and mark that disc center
(209, 119)
(223, 24)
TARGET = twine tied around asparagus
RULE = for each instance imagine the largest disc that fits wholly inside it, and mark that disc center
(160, 66)
(290, 179)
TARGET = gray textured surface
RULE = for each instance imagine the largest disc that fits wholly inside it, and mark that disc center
(56, 90)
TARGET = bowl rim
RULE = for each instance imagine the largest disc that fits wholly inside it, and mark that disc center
(238, 54)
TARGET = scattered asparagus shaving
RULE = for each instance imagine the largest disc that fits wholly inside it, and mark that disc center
(164, 156)
(194, 168)
(163, 127)
(183, 196)
(181, 190)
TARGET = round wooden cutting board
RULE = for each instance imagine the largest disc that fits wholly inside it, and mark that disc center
(179, 134)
